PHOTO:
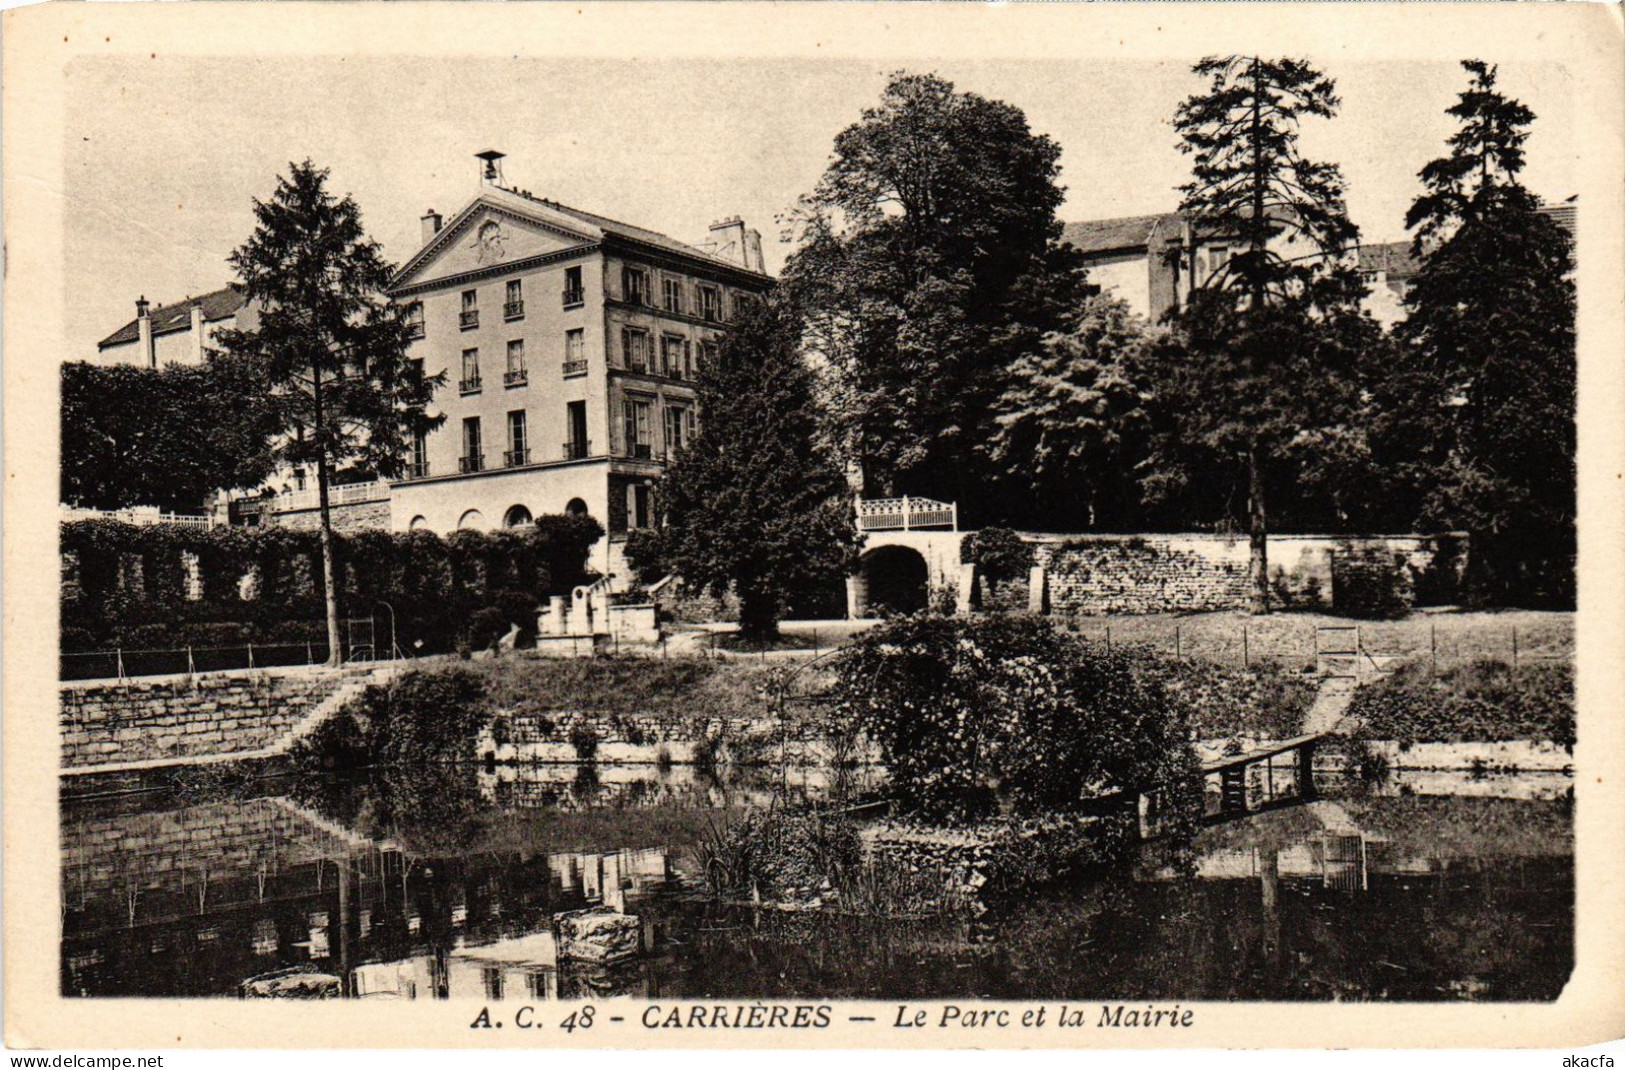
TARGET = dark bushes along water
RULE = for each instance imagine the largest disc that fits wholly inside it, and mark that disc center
(1485, 701)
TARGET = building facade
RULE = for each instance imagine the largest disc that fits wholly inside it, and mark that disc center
(570, 344)
(178, 333)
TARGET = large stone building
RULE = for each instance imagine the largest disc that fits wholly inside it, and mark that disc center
(1152, 261)
(570, 344)
(177, 333)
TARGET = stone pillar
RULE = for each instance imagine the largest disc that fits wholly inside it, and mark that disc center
(857, 596)
(1037, 590)
(966, 590)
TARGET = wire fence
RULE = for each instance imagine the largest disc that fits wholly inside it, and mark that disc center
(120, 663)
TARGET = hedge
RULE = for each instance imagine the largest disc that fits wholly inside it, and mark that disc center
(1487, 701)
(127, 585)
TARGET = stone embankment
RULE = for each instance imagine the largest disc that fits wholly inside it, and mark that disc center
(612, 738)
(126, 725)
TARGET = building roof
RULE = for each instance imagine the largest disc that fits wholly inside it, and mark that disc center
(1394, 258)
(1124, 234)
(629, 231)
(1564, 214)
(218, 305)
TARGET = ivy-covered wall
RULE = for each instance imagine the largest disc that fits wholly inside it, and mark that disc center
(165, 586)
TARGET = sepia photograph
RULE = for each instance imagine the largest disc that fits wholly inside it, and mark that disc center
(639, 543)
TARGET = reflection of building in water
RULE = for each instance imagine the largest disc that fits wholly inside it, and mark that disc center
(195, 900)
(525, 968)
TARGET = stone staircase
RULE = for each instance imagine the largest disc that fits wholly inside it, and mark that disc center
(355, 682)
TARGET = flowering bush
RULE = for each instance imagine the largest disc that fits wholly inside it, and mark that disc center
(972, 714)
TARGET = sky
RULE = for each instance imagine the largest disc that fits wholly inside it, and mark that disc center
(166, 154)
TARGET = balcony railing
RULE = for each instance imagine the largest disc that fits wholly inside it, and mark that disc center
(906, 514)
(641, 451)
(513, 310)
(575, 367)
(473, 462)
(414, 331)
(574, 297)
(468, 320)
(469, 386)
(577, 450)
(417, 470)
(639, 366)
(141, 515)
(515, 458)
(309, 498)
(514, 378)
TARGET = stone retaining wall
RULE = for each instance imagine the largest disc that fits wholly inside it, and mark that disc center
(177, 719)
(1101, 574)
(653, 737)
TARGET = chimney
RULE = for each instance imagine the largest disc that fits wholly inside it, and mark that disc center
(490, 167)
(727, 241)
(143, 330)
(753, 252)
(197, 331)
(431, 225)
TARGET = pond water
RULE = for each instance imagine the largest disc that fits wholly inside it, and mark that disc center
(443, 883)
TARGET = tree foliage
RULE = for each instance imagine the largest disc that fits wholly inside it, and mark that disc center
(967, 711)
(330, 348)
(168, 437)
(1480, 419)
(754, 503)
(1259, 366)
(1071, 423)
(929, 261)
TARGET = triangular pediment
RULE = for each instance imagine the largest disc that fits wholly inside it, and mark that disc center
(495, 229)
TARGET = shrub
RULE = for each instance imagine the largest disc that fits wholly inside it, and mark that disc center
(970, 713)
(779, 852)
(1485, 701)
(584, 738)
(998, 554)
(418, 718)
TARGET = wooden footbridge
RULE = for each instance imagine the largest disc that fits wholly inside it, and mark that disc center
(1277, 774)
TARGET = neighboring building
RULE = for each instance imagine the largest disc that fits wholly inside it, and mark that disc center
(570, 343)
(1150, 261)
(178, 333)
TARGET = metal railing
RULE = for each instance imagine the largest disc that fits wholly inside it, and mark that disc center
(577, 450)
(575, 367)
(515, 458)
(574, 297)
(515, 378)
(119, 663)
(906, 514)
(473, 462)
(418, 470)
(468, 320)
(310, 498)
(414, 331)
(469, 386)
(513, 310)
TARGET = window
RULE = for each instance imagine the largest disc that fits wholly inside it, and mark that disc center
(742, 303)
(469, 318)
(515, 374)
(473, 458)
(471, 372)
(639, 508)
(518, 448)
(635, 349)
(672, 294)
(513, 304)
(679, 428)
(671, 355)
(420, 455)
(573, 293)
(710, 304)
(635, 428)
(1217, 257)
(298, 479)
(575, 351)
(634, 286)
(575, 422)
(492, 976)
(414, 320)
(708, 354)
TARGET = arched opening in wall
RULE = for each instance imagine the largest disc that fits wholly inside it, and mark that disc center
(419, 523)
(516, 517)
(894, 581)
(577, 507)
(473, 520)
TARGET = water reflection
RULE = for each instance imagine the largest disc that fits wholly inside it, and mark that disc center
(449, 885)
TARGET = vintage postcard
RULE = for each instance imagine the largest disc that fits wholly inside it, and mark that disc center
(825, 525)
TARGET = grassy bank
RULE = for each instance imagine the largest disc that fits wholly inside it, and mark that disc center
(1265, 701)
(1484, 701)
